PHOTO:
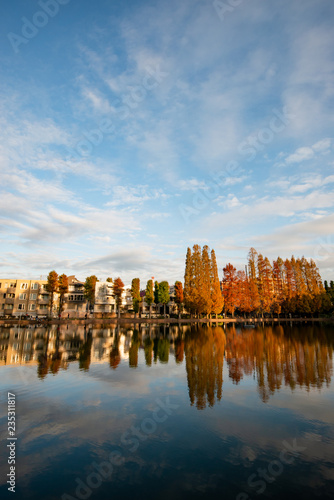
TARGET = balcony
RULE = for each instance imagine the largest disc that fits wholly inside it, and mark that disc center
(9, 300)
(43, 299)
(11, 289)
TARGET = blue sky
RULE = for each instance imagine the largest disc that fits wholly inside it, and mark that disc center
(131, 130)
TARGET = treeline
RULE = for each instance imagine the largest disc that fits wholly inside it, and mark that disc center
(290, 286)
(202, 292)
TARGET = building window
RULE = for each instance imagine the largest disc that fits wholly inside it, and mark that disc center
(32, 307)
(24, 286)
(34, 286)
(22, 296)
(13, 285)
(21, 307)
(43, 307)
(33, 296)
(9, 306)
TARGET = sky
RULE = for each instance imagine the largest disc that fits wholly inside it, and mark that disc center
(131, 130)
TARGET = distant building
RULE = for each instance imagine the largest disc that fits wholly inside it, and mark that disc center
(75, 303)
(24, 297)
(105, 301)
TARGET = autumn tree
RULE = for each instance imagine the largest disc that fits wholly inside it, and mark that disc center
(118, 290)
(179, 295)
(89, 287)
(230, 288)
(188, 283)
(135, 293)
(52, 288)
(149, 295)
(243, 300)
(217, 300)
(62, 289)
(206, 281)
(252, 281)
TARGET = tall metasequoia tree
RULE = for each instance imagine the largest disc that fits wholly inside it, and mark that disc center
(230, 288)
(197, 281)
(244, 303)
(206, 281)
(252, 281)
(216, 293)
(188, 283)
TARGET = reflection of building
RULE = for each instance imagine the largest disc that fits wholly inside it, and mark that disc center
(24, 297)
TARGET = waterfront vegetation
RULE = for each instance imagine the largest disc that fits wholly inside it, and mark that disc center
(281, 288)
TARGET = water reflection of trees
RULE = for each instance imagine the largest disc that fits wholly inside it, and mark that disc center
(204, 351)
(276, 356)
(290, 356)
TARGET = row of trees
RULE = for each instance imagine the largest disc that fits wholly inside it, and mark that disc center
(202, 292)
(56, 284)
(290, 286)
(159, 294)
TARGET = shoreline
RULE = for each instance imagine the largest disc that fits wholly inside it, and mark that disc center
(127, 320)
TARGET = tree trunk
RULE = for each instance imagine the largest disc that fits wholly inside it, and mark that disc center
(150, 311)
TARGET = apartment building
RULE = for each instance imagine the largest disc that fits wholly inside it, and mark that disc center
(105, 302)
(24, 297)
(75, 303)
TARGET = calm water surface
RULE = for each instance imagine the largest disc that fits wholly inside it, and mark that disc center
(170, 412)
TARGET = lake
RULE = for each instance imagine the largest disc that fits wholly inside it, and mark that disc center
(169, 411)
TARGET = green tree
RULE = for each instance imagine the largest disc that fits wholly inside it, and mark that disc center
(149, 294)
(118, 290)
(163, 294)
(135, 293)
(52, 288)
(156, 292)
(89, 287)
(62, 289)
